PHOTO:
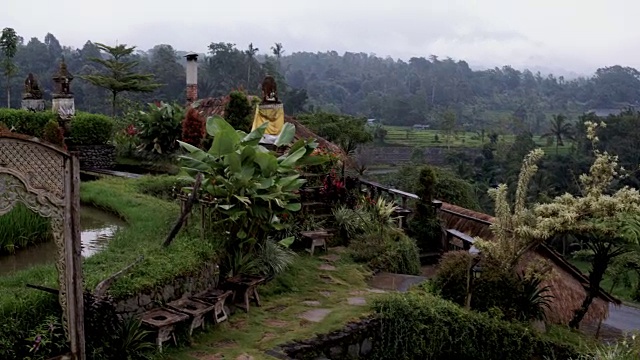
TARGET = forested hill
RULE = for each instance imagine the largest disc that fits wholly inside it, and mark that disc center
(416, 91)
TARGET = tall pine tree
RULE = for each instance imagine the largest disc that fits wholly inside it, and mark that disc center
(120, 75)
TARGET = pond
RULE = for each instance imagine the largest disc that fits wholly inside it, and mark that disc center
(97, 228)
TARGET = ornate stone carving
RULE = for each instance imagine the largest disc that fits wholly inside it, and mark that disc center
(63, 80)
(14, 189)
(269, 90)
(31, 88)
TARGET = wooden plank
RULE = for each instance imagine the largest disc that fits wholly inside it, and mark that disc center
(404, 194)
(460, 235)
(73, 258)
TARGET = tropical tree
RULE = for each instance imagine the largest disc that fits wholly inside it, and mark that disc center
(9, 47)
(120, 75)
(254, 189)
(560, 129)
(278, 51)
(251, 53)
(607, 224)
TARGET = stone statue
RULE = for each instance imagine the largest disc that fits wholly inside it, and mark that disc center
(269, 90)
(63, 81)
(31, 88)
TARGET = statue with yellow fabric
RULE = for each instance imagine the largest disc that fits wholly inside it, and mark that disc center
(270, 110)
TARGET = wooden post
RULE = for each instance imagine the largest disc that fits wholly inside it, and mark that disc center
(73, 259)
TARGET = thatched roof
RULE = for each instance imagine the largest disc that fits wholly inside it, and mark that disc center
(568, 284)
(216, 106)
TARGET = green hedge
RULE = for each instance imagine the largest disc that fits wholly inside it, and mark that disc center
(26, 122)
(418, 325)
(91, 129)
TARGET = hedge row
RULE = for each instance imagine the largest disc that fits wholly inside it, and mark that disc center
(86, 128)
(422, 326)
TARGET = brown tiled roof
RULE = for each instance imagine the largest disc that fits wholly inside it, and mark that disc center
(215, 106)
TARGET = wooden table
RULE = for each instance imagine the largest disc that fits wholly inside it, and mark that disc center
(246, 287)
(196, 309)
(216, 297)
(163, 321)
(318, 238)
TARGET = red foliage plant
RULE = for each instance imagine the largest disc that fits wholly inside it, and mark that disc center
(193, 128)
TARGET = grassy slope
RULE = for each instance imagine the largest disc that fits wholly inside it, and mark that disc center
(149, 220)
(277, 322)
(405, 136)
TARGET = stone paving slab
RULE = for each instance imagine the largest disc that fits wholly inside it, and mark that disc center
(315, 315)
(357, 301)
(327, 267)
(397, 282)
(311, 303)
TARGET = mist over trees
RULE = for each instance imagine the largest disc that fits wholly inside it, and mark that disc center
(397, 92)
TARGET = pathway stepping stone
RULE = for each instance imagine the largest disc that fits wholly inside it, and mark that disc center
(311, 303)
(327, 267)
(204, 356)
(358, 292)
(244, 357)
(357, 301)
(326, 293)
(330, 257)
(315, 315)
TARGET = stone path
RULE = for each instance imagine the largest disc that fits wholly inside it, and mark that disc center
(397, 282)
(357, 301)
(327, 267)
(315, 315)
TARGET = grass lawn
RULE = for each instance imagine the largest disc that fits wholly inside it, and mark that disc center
(621, 292)
(277, 321)
(406, 136)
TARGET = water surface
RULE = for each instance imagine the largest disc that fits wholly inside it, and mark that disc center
(97, 228)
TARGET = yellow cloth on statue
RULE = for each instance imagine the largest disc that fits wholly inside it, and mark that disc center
(271, 113)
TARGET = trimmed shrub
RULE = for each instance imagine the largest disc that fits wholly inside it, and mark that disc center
(516, 297)
(421, 326)
(53, 133)
(193, 128)
(238, 111)
(26, 122)
(91, 129)
(393, 252)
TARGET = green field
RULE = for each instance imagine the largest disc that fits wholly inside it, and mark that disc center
(407, 136)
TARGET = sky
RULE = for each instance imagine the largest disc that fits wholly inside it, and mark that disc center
(563, 36)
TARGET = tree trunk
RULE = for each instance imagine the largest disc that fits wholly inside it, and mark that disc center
(599, 266)
(249, 75)
(8, 92)
(113, 104)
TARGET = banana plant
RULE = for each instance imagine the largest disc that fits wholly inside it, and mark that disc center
(251, 187)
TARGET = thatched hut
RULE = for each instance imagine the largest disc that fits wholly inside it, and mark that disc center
(567, 284)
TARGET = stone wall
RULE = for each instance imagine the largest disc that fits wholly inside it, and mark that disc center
(354, 341)
(396, 155)
(95, 156)
(206, 278)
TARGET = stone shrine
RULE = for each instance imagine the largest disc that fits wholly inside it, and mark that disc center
(270, 111)
(32, 96)
(63, 103)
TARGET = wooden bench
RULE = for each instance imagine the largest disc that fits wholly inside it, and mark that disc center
(459, 239)
(318, 238)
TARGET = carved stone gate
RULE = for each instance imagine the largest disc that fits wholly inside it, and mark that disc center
(46, 179)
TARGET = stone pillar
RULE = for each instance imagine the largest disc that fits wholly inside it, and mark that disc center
(63, 103)
(192, 77)
(33, 104)
(32, 96)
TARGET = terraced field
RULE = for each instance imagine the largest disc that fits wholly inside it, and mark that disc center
(407, 136)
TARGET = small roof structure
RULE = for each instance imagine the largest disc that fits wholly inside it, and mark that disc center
(569, 284)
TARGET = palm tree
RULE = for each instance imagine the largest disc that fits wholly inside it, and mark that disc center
(560, 129)
(277, 50)
(251, 53)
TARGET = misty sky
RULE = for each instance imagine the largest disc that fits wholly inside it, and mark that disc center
(573, 35)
